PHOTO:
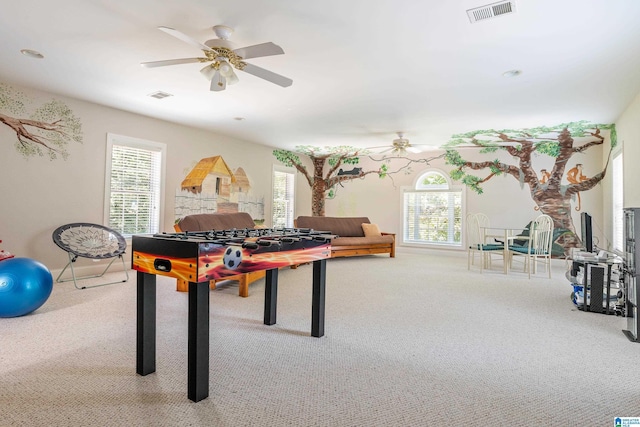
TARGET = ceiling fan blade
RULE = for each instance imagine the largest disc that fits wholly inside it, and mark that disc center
(268, 75)
(154, 64)
(413, 149)
(218, 82)
(185, 38)
(258, 50)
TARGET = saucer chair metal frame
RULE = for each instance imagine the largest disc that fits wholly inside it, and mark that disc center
(92, 241)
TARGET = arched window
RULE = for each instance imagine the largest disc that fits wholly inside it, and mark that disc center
(432, 211)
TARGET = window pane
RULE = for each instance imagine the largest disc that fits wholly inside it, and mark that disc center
(134, 190)
(283, 199)
(433, 217)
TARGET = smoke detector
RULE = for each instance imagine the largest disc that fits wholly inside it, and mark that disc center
(492, 10)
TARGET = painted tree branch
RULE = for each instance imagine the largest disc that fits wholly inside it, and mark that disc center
(321, 181)
(47, 132)
(340, 159)
(384, 171)
(24, 136)
(342, 178)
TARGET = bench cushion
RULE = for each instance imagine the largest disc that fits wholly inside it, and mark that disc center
(216, 221)
(341, 226)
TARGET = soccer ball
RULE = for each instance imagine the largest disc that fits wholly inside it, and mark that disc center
(232, 257)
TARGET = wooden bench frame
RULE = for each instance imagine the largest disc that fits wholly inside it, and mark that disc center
(366, 249)
(243, 281)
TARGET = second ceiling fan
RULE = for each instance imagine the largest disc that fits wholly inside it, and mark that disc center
(400, 145)
(222, 58)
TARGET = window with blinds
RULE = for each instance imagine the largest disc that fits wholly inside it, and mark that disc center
(432, 212)
(283, 198)
(617, 203)
(134, 185)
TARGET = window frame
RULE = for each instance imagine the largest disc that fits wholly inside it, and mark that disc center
(293, 172)
(617, 208)
(417, 187)
(128, 141)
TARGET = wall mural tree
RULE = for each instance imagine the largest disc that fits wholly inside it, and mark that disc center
(547, 191)
(333, 159)
(46, 131)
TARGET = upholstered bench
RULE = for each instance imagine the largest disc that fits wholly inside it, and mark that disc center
(356, 235)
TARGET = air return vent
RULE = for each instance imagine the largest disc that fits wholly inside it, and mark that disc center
(492, 10)
(160, 95)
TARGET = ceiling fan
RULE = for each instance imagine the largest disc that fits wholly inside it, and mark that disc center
(222, 57)
(400, 145)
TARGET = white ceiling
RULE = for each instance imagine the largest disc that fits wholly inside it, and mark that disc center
(361, 69)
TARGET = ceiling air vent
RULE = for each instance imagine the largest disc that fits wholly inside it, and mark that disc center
(492, 10)
(159, 95)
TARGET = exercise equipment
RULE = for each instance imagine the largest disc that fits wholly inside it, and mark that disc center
(25, 284)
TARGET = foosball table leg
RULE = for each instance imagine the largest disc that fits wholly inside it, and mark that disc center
(318, 297)
(146, 324)
(198, 342)
(270, 296)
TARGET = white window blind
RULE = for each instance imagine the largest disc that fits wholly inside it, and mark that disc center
(617, 203)
(432, 212)
(433, 217)
(283, 198)
(134, 187)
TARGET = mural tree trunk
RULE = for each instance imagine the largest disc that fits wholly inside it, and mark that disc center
(319, 187)
(322, 182)
(551, 197)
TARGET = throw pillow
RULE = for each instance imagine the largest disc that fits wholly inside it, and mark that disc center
(370, 230)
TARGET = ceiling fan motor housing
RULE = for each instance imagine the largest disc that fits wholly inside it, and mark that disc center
(401, 142)
(217, 43)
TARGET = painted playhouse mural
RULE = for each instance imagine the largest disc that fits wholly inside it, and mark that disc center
(553, 190)
(43, 130)
(211, 186)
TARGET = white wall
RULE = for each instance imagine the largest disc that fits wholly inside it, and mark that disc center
(38, 195)
(628, 127)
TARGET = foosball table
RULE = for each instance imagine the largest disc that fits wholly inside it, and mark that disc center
(199, 257)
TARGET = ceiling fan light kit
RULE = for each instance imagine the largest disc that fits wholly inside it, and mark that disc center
(208, 72)
(223, 58)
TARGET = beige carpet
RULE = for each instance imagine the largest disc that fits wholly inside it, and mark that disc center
(413, 341)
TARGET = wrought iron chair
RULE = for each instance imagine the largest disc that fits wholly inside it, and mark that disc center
(90, 241)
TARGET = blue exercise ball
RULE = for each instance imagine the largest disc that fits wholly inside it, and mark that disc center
(25, 284)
